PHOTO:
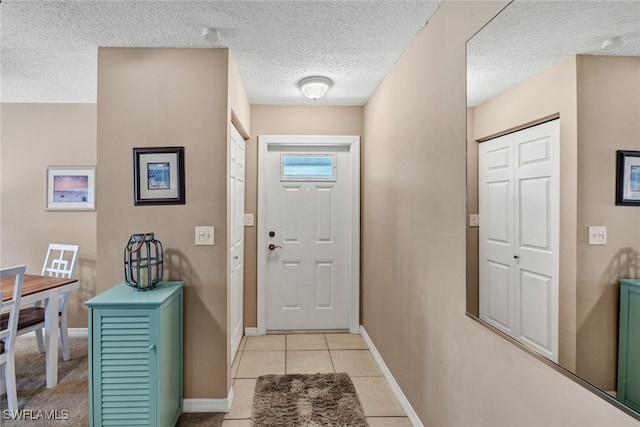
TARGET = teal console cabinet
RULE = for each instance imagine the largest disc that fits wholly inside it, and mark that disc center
(629, 343)
(135, 356)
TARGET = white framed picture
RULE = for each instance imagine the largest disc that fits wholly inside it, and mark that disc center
(71, 188)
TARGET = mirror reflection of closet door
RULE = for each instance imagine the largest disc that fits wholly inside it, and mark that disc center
(519, 228)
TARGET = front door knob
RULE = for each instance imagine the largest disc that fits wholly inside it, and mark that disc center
(272, 247)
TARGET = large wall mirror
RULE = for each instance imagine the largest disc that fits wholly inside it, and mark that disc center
(553, 93)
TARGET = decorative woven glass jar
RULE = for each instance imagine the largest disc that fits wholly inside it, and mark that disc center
(143, 262)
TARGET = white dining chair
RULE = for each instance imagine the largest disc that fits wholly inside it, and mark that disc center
(59, 262)
(8, 327)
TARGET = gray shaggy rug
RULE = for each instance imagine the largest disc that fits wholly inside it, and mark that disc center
(307, 400)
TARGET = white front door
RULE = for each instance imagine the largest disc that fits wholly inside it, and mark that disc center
(236, 202)
(519, 235)
(307, 241)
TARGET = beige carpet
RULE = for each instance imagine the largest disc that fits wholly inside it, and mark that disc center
(69, 400)
(307, 400)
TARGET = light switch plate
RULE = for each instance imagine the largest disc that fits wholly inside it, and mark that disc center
(248, 220)
(474, 220)
(597, 235)
(204, 235)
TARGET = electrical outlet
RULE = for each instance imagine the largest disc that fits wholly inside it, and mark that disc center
(474, 220)
(248, 220)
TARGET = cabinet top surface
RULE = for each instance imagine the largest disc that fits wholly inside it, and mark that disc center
(631, 282)
(123, 294)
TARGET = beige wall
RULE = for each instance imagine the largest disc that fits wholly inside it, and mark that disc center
(284, 120)
(170, 97)
(239, 105)
(454, 371)
(550, 93)
(32, 137)
(608, 108)
(473, 235)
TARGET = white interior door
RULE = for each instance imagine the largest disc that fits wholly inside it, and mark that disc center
(236, 202)
(519, 235)
(497, 235)
(307, 241)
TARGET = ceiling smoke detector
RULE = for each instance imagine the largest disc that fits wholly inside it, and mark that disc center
(613, 43)
(211, 35)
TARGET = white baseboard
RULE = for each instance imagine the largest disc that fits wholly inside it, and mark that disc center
(78, 332)
(404, 402)
(188, 405)
(224, 405)
(208, 405)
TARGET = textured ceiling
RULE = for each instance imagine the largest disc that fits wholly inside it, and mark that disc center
(48, 49)
(531, 36)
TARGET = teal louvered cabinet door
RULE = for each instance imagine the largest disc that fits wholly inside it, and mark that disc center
(122, 367)
(135, 356)
(629, 343)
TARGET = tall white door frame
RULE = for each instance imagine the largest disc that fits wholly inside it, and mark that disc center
(302, 141)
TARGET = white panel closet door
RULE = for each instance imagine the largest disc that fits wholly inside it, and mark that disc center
(496, 195)
(236, 202)
(519, 235)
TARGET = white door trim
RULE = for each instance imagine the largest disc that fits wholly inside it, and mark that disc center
(353, 142)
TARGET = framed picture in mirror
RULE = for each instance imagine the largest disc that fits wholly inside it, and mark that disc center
(628, 178)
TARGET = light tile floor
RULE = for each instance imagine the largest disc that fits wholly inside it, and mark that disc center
(310, 354)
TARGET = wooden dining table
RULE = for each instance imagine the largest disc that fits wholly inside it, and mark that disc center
(44, 288)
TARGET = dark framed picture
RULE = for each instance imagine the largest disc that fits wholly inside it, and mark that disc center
(628, 178)
(158, 176)
(70, 188)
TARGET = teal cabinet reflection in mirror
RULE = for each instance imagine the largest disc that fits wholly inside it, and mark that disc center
(629, 343)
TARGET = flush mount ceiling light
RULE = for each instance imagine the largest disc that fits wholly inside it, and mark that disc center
(315, 87)
(211, 34)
